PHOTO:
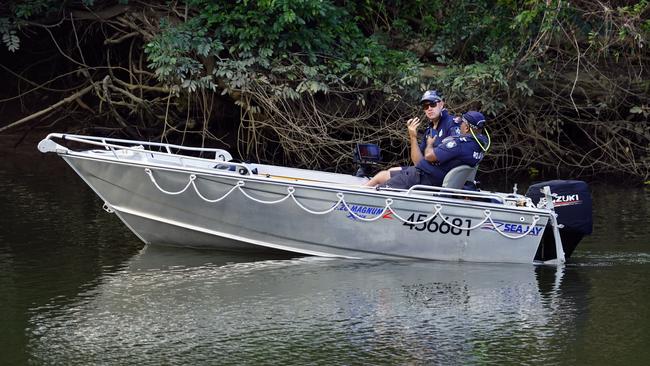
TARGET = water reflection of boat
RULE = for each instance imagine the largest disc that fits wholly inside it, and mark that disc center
(166, 197)
(160, 257)
(170, 302)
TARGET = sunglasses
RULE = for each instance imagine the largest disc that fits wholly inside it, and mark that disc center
(426, 106)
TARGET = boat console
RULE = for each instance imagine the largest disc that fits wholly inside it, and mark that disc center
(367, 157)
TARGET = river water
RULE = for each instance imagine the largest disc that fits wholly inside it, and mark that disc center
(79, 289)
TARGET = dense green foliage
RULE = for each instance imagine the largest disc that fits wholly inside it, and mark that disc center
(293, 47)
(565, 83)
(17, 14)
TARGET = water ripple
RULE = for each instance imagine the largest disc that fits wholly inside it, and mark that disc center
(299, 311)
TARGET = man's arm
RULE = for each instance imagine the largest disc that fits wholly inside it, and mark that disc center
(429, 153)
(416, 154)
(447, 150)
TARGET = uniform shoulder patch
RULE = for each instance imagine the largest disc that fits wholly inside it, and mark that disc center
(451, 144)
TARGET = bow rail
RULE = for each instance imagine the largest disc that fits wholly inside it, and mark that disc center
(119, 148)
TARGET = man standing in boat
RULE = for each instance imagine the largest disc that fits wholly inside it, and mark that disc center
(437, 160)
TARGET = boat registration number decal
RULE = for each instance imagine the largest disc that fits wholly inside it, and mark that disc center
(439, 226)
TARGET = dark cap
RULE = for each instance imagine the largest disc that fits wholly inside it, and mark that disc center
(474, 119)
(430, 96)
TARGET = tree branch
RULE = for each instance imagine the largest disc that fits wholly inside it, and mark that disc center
(48, 109)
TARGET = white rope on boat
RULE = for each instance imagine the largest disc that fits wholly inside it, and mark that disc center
(379, 215)
(530, 227)
(338, 195)
(236, 186)
(341, 201)
(487, 213)
(189, 183)
(241, 184)
(435, 213)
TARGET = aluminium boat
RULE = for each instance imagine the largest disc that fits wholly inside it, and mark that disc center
(201, 197)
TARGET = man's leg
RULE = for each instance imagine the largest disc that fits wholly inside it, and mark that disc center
(381, 177)
(404, 179)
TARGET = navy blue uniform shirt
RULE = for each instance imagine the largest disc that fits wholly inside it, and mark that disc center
(452, 152)
(447, 126)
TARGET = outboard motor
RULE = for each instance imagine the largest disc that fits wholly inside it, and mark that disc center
(367, 157)
(572, 201)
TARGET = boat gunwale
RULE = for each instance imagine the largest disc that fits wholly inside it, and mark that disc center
(329, 187)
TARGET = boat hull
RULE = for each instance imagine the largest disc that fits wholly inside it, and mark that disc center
(256, 214)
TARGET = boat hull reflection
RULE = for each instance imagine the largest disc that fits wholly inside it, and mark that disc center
(169, 301)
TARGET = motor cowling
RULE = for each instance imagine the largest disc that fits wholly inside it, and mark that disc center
(572, 201)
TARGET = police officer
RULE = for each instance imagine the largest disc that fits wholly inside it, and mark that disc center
(440, 126)
(468, 148)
